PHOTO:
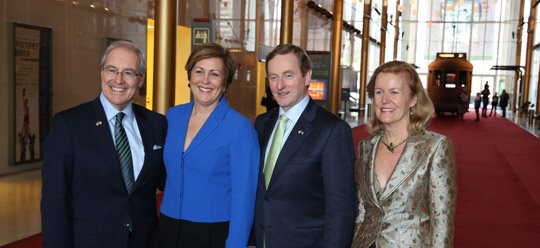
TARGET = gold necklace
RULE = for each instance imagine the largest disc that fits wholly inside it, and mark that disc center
(391, 147)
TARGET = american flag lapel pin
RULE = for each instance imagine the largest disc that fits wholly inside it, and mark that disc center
(98, 123)
(301, 132)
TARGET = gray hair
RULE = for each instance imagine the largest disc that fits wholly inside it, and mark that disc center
(130, 46)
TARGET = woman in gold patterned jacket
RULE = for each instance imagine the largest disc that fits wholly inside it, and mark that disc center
(406, 175)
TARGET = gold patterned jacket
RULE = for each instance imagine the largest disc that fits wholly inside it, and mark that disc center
(417, 207)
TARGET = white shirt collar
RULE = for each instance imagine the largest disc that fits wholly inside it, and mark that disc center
(111, 111)
(296, 111)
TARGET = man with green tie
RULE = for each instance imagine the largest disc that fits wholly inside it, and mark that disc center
(306, 194)
(103, 164)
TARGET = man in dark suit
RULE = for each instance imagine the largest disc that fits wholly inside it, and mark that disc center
(306, 194)
(103, 164)
(504, 102)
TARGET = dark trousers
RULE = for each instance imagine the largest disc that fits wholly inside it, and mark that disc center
(477, 113)
(130, 241)
(503, 111)
(484, 109)
(493, 108)
(175, 233)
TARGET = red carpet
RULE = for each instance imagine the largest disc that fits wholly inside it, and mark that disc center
(30, 242)
(498, 181)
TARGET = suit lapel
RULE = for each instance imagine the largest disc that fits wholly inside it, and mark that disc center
(217, 115)
(145, 129)
(408, 162)
(265, 141)
(102, 134)
(298, 135)
(267, 131)
(370, 169)
(181, 123)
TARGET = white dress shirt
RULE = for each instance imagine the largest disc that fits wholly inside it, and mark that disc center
(132, 132)
(293, 114)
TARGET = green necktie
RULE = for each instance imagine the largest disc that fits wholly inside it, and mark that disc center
(124, 152)
(275, 148)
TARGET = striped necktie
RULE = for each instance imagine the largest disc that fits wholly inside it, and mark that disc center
(124, 152)
(275, 148)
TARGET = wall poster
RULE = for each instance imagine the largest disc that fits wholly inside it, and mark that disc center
(30, 48)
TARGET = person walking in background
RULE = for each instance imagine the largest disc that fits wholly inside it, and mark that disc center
(406, 175)
(104, 162)
(306, 194)
(494, 103)
(504, 102)
(212, 159)
(268, 100)
(485, 98)
(477, 103)
(463, 103)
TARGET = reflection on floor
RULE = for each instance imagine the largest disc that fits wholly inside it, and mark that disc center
(20, 193)
(529, 124)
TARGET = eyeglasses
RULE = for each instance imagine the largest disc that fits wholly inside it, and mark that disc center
(126, 74)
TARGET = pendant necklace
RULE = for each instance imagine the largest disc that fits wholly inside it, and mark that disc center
(391, 147)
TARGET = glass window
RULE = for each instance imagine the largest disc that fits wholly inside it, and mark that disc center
(463, 76)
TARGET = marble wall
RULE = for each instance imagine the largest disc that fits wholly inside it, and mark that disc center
(80, 30)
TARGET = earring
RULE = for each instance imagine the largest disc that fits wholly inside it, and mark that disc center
(189, 85)
(411, 111)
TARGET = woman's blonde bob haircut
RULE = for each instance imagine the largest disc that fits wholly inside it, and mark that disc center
(213, 50)
(422, 112)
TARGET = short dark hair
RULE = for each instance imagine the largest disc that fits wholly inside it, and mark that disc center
(303, 59)
(130, 46)
(213, 50)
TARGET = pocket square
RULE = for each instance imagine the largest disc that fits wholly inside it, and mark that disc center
(156, 147)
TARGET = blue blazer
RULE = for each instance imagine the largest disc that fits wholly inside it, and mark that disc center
(215, 179)
(311, 199)
(85, 202)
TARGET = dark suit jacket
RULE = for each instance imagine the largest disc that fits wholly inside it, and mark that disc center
(84, 200)
(311, 199)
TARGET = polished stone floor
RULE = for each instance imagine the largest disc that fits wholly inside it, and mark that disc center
(532, 126)
(20, 193)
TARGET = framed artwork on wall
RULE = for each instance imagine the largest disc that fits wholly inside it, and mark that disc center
(30, 69)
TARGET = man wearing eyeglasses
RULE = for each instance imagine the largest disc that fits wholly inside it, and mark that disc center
(103, 163)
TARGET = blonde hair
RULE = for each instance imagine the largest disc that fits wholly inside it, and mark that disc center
(421, 113)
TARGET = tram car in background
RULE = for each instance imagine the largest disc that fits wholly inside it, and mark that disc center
(448, 75)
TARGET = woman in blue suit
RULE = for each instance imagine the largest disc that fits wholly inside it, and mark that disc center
(211, 155)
